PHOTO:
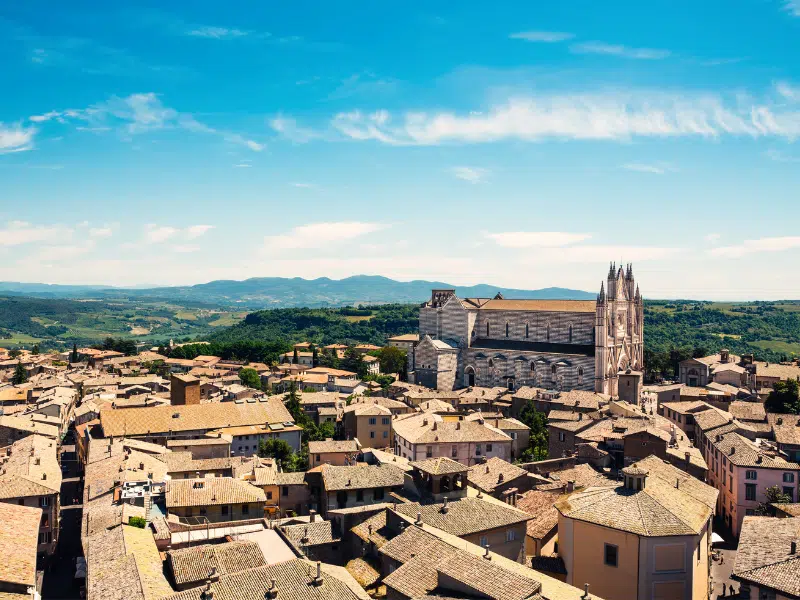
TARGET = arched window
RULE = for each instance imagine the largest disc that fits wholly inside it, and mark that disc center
(527, 330)
(506, 328)
(491, 363)
(553, 369)
(547, 332)
(487, 329)
(580, 375)
(533, 367)
(570, 333)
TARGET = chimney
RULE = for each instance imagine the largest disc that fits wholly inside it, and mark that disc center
(418, 522)
(500, 478)
(486, 553)
(434, 426)
(585, 592)
(570, 486)
(487, 468)
(793, 548)
(213, 575)
(317, 581)
(759, 459)
(458, 425)
(272, 592)
(444, 506)
(687, 456)
(677, 484)
(780, 421)
(312, 516)
(733, 450)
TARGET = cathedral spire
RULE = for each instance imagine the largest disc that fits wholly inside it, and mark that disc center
(638, 295)
(601, 297)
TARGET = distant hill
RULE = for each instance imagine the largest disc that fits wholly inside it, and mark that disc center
(281, 292)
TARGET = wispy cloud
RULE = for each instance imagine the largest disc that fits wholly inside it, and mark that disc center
(529, 239)
(365, 83)
(217, 33)
(792, 7)
(589, 116)
(779, 156)
(288, 128)
(310, 186)
(137, 114)
(619, 50)
(242, 165)
(542, 36)
(320, 235)
(658, 168)
(713, 237)
(156, 234)
(471, 174)
(196, 231)
(766, 244)
(16, 233)
(16, 138)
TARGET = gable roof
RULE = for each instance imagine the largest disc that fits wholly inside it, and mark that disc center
(19, 540)
(465, 516)
(764, 558)
(194, 565)
(211, 491)
(359, 477)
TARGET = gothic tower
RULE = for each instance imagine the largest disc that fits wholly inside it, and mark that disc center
(619, 328)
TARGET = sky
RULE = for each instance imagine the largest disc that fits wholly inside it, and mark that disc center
(522, 144)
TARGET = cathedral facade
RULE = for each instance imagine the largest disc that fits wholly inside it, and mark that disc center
(554, 344)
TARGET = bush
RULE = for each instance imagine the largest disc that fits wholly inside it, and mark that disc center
(139, 522)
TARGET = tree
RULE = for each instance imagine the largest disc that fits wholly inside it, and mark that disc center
(537, 422)
(35, 349)
(15, 353)
(295, 358)
(139, 522)
(250, 378)
(20, 375)
(774, 495)
(784, 397)
(275, 448)
(74, 357)
(314, 356)
(392, 360)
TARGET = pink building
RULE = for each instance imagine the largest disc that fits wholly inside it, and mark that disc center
(742, 471)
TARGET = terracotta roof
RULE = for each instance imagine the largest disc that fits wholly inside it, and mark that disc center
(193, 565)
(373, 530)
(786, 428)
(25, 424)
(183, 462)
(763, 557)
(311, 534)
(790, 508)
(360, 476)
(427, 428)
(439, 466)
(493, 473)
(293, 581)
(748, 411)
(540, 506)
(19, 538)
(31, 469)
(777, 370)
(284, 478)
(711, 419)
(162, 419)
(211, 491)
(744, 453)
(659, 509)
(465, 516)
(577, 306)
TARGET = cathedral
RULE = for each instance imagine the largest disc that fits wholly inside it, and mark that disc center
(554, 344)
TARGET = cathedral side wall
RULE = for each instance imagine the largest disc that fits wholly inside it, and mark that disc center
(537, 326)
(578, 374)
(427, 322)
(446, 377)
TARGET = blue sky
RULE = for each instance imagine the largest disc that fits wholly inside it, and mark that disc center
(525, 144)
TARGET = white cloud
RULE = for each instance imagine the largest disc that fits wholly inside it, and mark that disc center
(713, 237)
(319, 235)
(528, 239)
(619, 50)
(591, 116)
(101, 232)
(156, 234)
(767, 244)
(655, 168)
(195, 231)
(542, 36)
(16, 138)
(471, 174)
(17, 233)
(793, 7)
(218, 33)
(288, 128)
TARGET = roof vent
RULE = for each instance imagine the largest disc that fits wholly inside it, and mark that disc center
(304, 539)
(486, 554)
(272, 592)
(349, 482)
(445, 508)
(418, 522)
(500, 478)
(759, 459)
(733, 450)
(44, 476)
(317, 581)
(176, 415)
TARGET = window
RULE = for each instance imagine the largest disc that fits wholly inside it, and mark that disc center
(385, 434)
(386, 420)
(527, 330)
(580, 375)
(507, 328)
(245, 509)
(359, 495)
(378, 494)
(511, 535)
(562, 436)
(611, 552)
(373, 420)
(789, 491)
(484, 541)
(477, 449)
(202, 511)
(749, 512)
(225, 509)
(372, 435)
(454, 451)
(788, 478)
(44, 501)
(751, 474)
(44, 537)
(750, 491)
(488, 447)
(285, 490)
(269, 495)
(428, 451)
(570, 334)
(547, 332)
(45, 520)
(513, 435)
(487, 328)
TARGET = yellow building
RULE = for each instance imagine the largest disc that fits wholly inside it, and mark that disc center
(646, 539)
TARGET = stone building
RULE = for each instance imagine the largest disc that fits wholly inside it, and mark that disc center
(555, 344)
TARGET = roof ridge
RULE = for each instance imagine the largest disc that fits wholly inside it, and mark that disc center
(772, 564)
(641, 514)
(685, 495)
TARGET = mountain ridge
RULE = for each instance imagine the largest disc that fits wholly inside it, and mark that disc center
(283, 292)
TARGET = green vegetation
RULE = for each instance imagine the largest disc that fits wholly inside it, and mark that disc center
(250, 378)
(537, 421)
(139, 522)
(774, 495)
(323, 326)
(20, 375)
(784, 397)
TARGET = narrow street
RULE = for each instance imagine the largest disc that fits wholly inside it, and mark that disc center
(59, 576)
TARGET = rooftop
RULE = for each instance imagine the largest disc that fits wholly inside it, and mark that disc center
(465, 516)
(193, 565)
(211, 491)
(493, 473)
(18, 543)
(764, 556)
(360, 476)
